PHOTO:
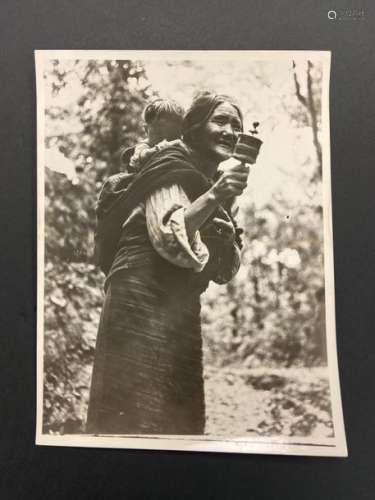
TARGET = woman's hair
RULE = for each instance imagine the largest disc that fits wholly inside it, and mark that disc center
(201, 109)
(162, 107)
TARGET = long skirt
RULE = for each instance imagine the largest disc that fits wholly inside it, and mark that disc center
(148, 375)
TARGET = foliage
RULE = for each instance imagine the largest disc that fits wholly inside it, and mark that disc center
(69, 218)
(272, 314)
(106, 114)
(275, 311)
(73, 300)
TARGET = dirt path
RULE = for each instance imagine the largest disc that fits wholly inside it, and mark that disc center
(267, 402)
(232, 405)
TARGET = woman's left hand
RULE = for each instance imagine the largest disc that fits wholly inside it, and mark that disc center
(224, 228)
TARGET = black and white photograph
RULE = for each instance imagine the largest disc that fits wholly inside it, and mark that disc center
(185, 252)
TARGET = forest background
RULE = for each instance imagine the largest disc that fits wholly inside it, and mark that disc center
(264, 333)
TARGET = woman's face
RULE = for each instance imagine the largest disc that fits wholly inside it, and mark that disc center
(216, 140)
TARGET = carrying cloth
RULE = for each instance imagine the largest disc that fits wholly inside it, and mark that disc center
(121, 193)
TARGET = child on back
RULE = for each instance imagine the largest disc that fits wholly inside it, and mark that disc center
(163, 125)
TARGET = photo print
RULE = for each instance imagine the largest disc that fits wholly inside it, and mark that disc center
(185, 252)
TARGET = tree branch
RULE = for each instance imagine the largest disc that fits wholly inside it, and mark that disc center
(300, 97)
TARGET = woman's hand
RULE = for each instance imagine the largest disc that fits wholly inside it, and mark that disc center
(233, 179)
(225, 229)
(232, 182)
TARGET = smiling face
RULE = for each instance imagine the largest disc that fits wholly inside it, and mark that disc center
(217, 138)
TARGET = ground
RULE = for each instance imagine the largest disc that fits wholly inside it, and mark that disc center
(265, 402)
(241, 402)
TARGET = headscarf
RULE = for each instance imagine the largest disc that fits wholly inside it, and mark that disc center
(200, 111)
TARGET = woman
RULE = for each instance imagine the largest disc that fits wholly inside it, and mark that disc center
(177, 234)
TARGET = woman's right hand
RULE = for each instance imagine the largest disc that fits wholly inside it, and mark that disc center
(233, 179)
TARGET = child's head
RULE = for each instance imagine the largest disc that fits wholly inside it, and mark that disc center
(163, 120)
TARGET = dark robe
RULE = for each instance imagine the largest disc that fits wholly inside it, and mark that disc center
(148, 370)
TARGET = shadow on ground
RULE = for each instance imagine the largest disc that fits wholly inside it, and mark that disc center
(268, 402)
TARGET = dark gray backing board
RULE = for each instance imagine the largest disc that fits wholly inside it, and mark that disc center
(34, 472)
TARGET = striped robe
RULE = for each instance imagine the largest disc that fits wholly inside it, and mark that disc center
(148, 372)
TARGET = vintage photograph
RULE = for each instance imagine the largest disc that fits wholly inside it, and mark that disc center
(185, 252)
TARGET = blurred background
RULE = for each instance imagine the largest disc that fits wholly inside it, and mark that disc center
(264, 333)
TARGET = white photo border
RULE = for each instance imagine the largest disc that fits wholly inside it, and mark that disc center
(335, 446)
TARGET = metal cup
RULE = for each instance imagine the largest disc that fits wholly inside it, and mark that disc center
(247, 148)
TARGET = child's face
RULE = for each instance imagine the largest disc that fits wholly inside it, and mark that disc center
(165, 128)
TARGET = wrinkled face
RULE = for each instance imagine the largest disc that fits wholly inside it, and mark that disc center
(216, 140)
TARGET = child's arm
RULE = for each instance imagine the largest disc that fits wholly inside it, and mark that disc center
(144, 151)
(140, 155)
